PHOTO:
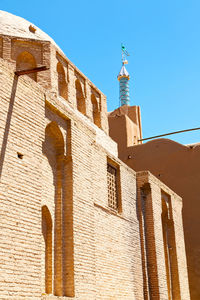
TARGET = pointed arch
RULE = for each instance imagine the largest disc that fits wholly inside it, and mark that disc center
(95, 111)
(47, 235)
(54, 140)
(81, 106)
(63, 253)
(54, 150)
(25, 61)
(62, 84)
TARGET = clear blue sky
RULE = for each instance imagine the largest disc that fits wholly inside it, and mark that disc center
(163, 38)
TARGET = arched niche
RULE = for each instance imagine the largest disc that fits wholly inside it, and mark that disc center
(26, 61)
(54, 151)
(95, 111)
(62, 207)
(62, 84)
(81, 106)
(47, 235)
(54, 141)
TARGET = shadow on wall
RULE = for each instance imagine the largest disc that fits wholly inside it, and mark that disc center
(8, 121)
(26, 61)
(62, 84)
(95, 111)
(47, 235)
(81, 105)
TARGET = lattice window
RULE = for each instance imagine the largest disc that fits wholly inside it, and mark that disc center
(112, 187)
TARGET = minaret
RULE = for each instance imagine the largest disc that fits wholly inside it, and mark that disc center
(123, 78)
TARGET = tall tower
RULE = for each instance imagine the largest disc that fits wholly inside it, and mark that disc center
(123, 78)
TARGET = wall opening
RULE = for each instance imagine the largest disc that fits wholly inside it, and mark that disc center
(62, 84)
(95, 111)
(47, 235)
(20, 155)
(81, 106)
(26, 61)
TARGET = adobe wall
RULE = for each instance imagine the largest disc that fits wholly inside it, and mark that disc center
(178, 167)
(162, 240)
(60, 184)
(62, 78)
(125, 126)
(62, 238)
(106, 259)
(21, 127)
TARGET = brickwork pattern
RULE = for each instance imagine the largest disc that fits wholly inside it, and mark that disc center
(61, 237)
(83, 258)
(21, 118)
(154, 249)
(61, 78)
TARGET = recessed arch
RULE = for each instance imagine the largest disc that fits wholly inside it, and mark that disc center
(26, 61)
(47, 235)
(54, 151)
(95, 111)
(63, 260)
(54, 139)
(62, 84)
(81, 106)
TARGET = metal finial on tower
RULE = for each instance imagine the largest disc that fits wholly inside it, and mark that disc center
(123, 78)
(124, 54)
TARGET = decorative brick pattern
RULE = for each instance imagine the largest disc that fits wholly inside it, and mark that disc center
(112, 187)
(75, 223)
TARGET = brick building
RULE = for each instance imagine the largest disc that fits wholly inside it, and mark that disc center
(76, 222)
(177, 166)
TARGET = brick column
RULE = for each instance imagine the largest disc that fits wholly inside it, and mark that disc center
(44, 77)
(88, 100)
(150, 242)
(67, 235)
(71, 86)
(1, 47)
(103, 109)
(180, 247)
(6, 48)
(153, 254)
(58, 230)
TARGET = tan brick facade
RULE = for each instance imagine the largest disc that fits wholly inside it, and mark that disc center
(60, 238)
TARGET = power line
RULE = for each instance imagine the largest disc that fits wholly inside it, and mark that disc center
(170, 133)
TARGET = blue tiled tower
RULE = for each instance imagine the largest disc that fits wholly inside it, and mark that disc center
(123, 78)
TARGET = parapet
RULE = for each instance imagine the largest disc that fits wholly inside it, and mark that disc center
(26, 46)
